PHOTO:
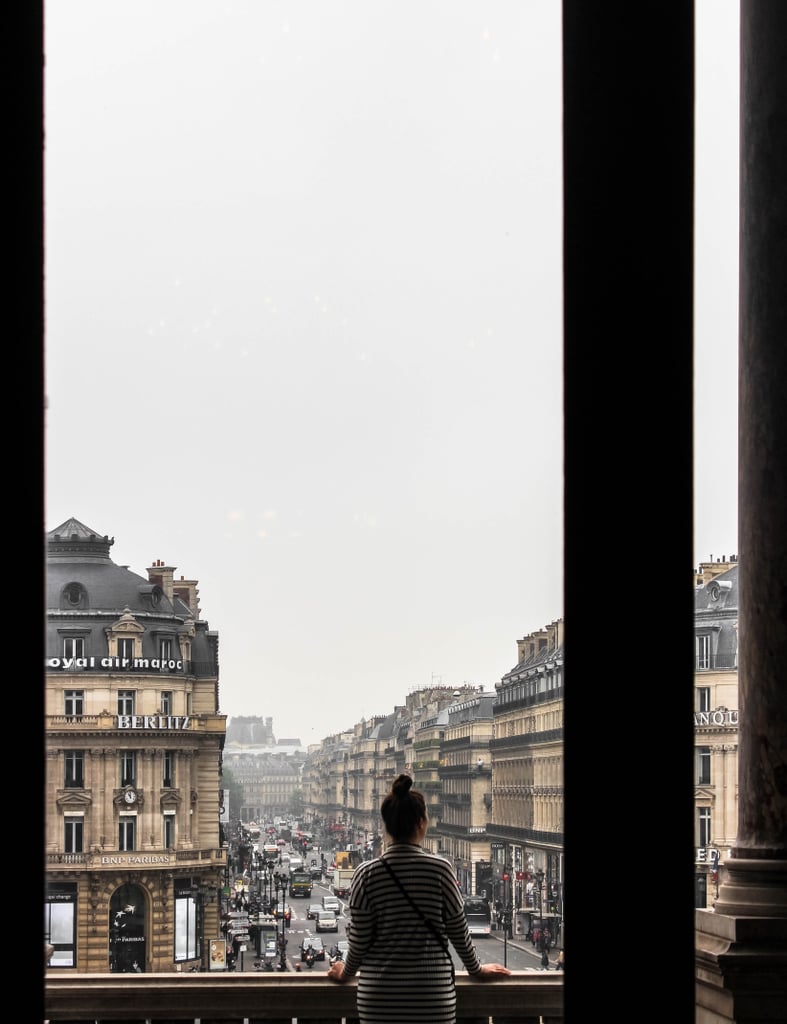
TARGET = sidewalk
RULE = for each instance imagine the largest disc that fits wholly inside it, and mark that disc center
(526, 946)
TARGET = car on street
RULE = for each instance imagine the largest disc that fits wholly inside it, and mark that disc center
(331, 903)
(315, 943)
(314, 910)
(326, 922)
(316, 872)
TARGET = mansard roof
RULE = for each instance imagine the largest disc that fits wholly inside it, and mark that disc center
(78, 556)
(88, 593)
(716, 613)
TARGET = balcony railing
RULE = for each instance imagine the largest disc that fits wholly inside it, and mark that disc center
(455, 798)
(523, 998)
(727, 660)
(93, 858)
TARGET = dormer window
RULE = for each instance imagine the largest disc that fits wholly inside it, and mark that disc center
(152, 593)
(718, 589)
(74, 595)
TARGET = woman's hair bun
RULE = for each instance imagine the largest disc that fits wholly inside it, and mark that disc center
(402, 784)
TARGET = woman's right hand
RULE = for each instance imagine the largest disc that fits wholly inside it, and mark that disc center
(336, 971)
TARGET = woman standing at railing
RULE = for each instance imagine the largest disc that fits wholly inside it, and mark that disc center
(406, 908)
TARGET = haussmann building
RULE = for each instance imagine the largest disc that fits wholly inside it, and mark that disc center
(134, 857)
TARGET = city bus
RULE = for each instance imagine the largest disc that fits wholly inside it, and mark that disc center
(479, 916)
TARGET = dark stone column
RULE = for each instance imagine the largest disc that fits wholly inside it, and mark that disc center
(742, 944)
(762, 504)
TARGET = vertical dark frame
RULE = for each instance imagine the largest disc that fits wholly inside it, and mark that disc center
(628, 74)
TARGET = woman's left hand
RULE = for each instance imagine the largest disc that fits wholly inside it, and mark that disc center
(491, 971)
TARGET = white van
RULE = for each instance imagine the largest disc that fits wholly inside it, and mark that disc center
(331, 903)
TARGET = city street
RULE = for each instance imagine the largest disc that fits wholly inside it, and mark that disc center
(518, 954)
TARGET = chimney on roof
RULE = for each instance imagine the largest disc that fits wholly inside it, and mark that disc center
(163, 575)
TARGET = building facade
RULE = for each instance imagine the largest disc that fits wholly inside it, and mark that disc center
(715, 723)
(134, 857)
(270, 781)
(465, 775)
(526, 827)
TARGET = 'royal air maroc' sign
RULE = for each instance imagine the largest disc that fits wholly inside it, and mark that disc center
(138, 664)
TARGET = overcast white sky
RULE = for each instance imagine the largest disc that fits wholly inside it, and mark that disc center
(304, 327)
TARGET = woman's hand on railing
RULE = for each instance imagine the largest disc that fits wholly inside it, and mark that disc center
(336, 971)
(490, 972)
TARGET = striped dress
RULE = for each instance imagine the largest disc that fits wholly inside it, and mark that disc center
(404, 973)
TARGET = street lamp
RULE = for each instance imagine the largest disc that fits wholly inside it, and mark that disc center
(541, 943)
(258, 876)
(282, 883)
(225, 896)
(268, 885)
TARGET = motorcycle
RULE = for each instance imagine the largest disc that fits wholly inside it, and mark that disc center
(309, 958)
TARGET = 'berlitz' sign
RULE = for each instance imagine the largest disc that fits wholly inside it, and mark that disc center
(180, 722)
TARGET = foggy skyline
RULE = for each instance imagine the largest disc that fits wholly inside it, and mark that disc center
(304, 328)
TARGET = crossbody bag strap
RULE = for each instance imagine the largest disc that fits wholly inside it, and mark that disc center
(421, 914)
